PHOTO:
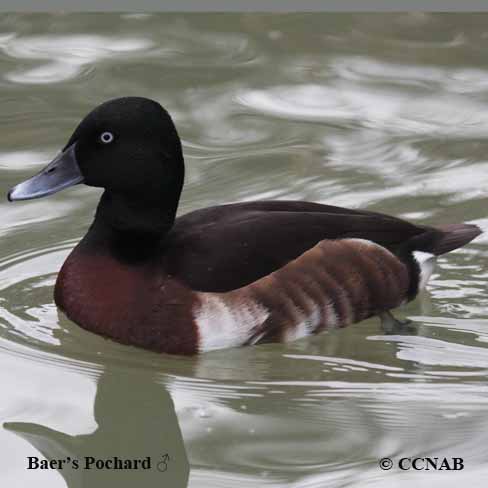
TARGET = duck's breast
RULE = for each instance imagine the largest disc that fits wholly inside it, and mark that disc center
(136, 305)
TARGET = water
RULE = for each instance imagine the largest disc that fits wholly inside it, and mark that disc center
(382, 112)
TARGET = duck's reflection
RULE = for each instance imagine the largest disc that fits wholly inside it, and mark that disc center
(136, 421)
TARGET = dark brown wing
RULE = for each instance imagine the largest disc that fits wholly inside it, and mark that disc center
(225, 247)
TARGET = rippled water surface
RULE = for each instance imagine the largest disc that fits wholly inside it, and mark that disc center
(382, 112)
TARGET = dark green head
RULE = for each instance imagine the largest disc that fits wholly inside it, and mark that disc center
(128, 146)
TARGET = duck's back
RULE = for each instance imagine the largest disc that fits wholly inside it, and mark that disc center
(225, 247)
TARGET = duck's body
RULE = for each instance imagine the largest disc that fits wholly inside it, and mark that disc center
(229, 275)
(243, 274)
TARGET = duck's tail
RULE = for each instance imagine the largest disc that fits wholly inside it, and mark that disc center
(445, 238)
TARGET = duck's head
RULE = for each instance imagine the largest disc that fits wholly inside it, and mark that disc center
(128, 146)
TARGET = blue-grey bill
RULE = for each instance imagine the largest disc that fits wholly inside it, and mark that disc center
(62, 172)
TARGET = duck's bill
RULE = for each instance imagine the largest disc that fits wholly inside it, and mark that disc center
(62, 172)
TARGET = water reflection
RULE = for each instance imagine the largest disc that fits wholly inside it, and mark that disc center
(136, 419)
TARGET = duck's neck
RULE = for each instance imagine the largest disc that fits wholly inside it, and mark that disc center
(130, 224)
(131, 227)
(139, 214)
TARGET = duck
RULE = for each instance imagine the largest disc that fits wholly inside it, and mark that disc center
(224, 276)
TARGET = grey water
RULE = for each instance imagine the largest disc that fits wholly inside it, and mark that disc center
(386, 112)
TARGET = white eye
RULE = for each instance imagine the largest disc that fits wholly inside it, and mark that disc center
(106, 137)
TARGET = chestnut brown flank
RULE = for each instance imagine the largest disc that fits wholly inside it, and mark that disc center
(350, 279)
